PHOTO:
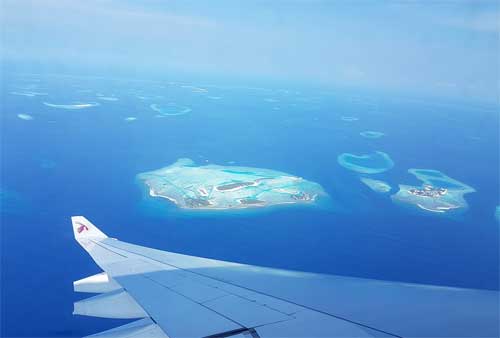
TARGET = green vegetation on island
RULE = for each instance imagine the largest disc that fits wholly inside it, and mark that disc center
(215, 187)
(439, 193)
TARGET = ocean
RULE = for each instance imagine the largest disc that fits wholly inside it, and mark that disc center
(58, 162)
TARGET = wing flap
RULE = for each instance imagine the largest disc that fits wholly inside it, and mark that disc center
(139, 329)
(99, 283)
(177, 315)
(116, 304)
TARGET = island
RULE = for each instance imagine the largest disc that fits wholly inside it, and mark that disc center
(216, 187)
(374, 163)
(376, 185)
(439, 193)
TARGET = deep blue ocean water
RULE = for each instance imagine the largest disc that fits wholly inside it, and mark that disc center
(84, 162)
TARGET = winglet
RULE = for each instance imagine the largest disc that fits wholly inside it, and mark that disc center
(82, 228)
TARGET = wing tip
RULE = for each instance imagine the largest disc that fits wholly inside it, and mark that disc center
(83, 228)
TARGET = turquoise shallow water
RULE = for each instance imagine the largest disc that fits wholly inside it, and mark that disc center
(95, 155)
(213, 187)
(374, 163)
(371, 134)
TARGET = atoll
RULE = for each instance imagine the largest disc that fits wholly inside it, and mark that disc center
(215, 187)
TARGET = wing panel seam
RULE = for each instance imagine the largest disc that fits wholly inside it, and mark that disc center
(261, 293)
(192, 300)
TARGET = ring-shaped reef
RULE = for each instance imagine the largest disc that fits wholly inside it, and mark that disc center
(439, 193)
(169, 109)
(373, 163)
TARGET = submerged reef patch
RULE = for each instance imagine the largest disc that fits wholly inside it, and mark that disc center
(107, 98)
(439, 193)
(376, 185)
(215, 187)
(73, 106)
(374, 163)
(26, 117)
(169, 109)
(12, 202)
(349, 118)
(46, 163)
(28, 93)
(371, 134)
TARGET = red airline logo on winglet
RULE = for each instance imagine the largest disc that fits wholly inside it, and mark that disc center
(82, 228)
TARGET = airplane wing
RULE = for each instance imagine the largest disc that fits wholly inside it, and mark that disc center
(178, 296)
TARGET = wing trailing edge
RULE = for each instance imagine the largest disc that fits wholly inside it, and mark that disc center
(140, 328)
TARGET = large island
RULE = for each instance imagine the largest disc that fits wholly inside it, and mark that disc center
(215, 187)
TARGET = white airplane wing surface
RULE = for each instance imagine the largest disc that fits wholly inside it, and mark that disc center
(178, 296)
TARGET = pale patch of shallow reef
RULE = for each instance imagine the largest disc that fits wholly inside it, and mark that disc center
(72, 106)
(349, 118)
(374, 163)
(376, 185)
(371, 134)
(28, 93)
(169, 109)
(439, 193)
(47, 163)
(107, 98)
(215, 187)
(12, 203)
(26, 117)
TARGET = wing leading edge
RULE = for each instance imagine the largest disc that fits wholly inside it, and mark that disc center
(178, 295)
